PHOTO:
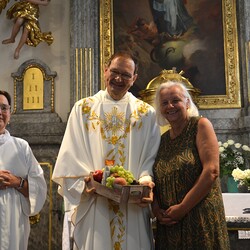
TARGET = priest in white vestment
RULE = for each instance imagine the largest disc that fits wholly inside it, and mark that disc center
(23, 188)
(112, 124)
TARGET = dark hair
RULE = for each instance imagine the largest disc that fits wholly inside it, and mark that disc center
(124, 54)
(7, 95)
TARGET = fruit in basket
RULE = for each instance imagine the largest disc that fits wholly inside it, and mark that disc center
(119, 175)
(135, 182)
(97, 175)
(120, 181)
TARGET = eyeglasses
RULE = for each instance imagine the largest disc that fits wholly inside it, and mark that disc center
(4, 108)
(124, 76)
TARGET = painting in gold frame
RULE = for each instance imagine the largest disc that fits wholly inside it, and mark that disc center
(222, 91)
(248, 67)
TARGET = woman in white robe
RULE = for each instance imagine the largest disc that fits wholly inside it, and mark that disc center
(22, 185)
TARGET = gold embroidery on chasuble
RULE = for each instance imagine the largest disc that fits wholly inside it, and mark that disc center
(117, 227)
(114, 126)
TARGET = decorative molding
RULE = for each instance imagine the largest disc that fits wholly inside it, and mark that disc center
(106, 34)
(232, 99)
(48, 87)
(83, 72)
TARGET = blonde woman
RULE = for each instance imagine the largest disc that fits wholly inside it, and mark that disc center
(187, 196)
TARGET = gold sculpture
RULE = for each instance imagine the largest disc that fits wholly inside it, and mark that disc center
(148, 94)
(26, 13)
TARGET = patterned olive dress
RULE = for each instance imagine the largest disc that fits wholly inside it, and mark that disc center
(176, 169)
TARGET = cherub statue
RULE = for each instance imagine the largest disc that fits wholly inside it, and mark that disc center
(25, 13)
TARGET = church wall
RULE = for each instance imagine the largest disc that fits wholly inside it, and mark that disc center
(44, 131)
(55, 18)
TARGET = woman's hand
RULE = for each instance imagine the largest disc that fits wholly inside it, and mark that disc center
(2, 182)
(170, 216)
(163, 218)
(176, 212)
(8, 180)
(161, 215)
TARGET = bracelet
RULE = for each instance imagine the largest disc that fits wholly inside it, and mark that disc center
(21, 183)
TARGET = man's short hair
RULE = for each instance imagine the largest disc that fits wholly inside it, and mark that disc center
(124, 54)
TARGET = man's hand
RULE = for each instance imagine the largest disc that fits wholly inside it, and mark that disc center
(88, 190)
(147, 200)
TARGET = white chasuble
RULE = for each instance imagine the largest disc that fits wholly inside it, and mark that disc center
(100, 129)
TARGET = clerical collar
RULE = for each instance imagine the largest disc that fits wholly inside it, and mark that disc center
(125, 97)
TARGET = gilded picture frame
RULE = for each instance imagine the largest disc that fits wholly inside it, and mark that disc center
(229, 85)
(248, 67)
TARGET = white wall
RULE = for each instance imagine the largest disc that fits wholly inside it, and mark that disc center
(54, 18)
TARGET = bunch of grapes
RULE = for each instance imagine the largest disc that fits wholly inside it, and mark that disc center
(119, 171)
(109, 181)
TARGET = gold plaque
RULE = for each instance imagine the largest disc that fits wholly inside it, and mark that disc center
(33, 88)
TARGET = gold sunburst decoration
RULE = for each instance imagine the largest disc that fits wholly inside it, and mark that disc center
(114, 121)
(114, 126)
